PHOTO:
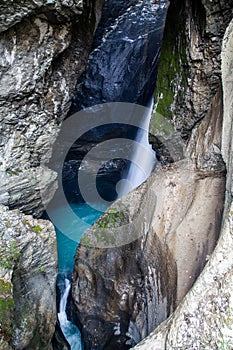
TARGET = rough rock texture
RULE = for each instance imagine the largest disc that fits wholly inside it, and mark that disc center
(204, 318)
(189, 70)
(44, 49)
(28, 270)
(187, 201)
(186, 210)
(172, 221)
(123, 292)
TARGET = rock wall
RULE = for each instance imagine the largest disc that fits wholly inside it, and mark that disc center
(28, 270)
(44, 49)
(44, 46)
(122, 292)
(189, 73)
(187, 200)
(204, 318)
(178, 229)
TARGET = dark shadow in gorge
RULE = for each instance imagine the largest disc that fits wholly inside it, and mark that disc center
(122, 68)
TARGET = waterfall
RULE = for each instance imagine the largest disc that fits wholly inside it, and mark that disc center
(121, 68)
(143, 158)
(70, 331)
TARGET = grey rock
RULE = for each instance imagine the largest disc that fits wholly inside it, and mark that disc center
(28, 272)
(187, 207)
(191, 66)
(204, 317)
(43, 52)
(12, 12)
(205, 143)
(123, 292)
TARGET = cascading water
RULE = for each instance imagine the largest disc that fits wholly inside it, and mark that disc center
(70, 331)
(142, 161)
(121, 68)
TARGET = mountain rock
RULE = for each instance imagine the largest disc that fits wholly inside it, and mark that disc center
(204, 317)
(28, 272)
(44, 49)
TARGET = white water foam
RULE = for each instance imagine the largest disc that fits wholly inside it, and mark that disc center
(142, 160)
(70, 331)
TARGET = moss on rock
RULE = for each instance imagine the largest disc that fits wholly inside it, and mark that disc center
(6, 310)
(171, 80)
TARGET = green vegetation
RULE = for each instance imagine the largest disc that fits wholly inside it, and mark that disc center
(13, 172)
(7, 223)
(104, 236)
(40, 269)
(6, 310)
(5, 287)
(37, 229)
(86, 241)
(112, 218)
(103, 230)
(9, 253)
(171, 79)
(160, 126)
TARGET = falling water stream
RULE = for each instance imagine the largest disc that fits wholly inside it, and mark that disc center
(121, 68)
(70, 331)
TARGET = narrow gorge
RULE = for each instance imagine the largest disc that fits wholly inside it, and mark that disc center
(117, 267)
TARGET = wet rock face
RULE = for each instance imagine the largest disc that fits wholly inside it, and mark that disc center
(190, 64)
(28, 270)
(133, 31)
(204, 317)
(122, 293)
(188, 205)
(44, 48)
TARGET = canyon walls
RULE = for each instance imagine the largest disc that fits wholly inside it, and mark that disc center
(187, 199)
(44, 49)
(120, 293)
(28, 271)
(204, 317)
(44, 46)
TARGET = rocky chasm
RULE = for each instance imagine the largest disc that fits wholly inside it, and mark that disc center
(126, 292)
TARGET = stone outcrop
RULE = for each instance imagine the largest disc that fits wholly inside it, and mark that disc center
(44, 49)
(28, 270)
(179, 226)
(204, 318)
(187, 203)
(189, 73)
(122, 292)
(44, 46)
(129, 32)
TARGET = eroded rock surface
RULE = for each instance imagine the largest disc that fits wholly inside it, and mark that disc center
(44, 49)
(189, 73)
(187, 204)
(204, 318)
(122, 293)
(28, 270)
